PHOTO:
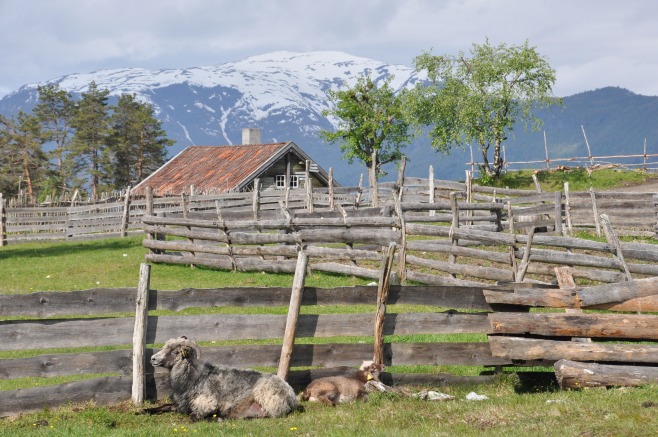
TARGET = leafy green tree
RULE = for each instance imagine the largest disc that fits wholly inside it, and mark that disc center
(137, 143)
(372, 126)
(22, 158)
(92, 130)
(478, 99)
(55, 111)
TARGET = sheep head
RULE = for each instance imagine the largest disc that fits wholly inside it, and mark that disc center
(174, 350)
(372, 370)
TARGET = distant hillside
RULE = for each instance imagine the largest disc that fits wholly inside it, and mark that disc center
(284, 94)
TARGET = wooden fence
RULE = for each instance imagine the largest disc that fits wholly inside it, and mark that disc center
(629, 213)
(441, 243)
(45, 324)
(53, 320)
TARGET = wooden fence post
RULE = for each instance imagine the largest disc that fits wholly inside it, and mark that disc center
(558, 213)
(382, 299)
(567, 208)
(512, 248)
(432, 189)
(126, 213)
(400, 181)
(139, 334)
(331, 189)
(595, 210)
(525, 261)
(403, 233)
(616, 245)
(469, 194)
(359, 193)
(293, 314)
(255, 202)
(455, 225)
(3, 220)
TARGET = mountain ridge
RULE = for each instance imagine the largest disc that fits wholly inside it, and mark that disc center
(284, 93)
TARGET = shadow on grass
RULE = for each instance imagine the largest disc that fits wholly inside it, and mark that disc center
(536, 382)
(47, 249)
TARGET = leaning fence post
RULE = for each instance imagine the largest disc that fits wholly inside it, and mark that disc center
(382, 299)
(139, 334)
(293, 314)
(616, 245)
(595, 210)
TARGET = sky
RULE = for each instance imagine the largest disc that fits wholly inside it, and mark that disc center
(590, 43)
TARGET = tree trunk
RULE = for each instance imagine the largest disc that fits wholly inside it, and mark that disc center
(484, 148)
(497, 161)
(372, 178)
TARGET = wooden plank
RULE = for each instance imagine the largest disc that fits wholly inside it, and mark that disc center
(42, 334)
(105, 300)
(103, 391)
(326, 355)
(573, 374)
(519, 348)
(639, 327)
(50, 365)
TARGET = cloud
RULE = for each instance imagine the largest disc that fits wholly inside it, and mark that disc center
(602, 42)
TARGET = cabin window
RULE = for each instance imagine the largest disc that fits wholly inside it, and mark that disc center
(281, 181)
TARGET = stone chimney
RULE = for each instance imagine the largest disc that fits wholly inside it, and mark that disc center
(251, 135)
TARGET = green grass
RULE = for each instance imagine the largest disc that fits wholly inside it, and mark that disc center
(517, 405)
(512, 409)
(579, 179)
(113, 263)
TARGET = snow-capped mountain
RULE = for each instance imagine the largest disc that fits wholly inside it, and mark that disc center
(282, 93)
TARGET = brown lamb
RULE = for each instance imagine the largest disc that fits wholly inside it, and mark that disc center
(332, 390)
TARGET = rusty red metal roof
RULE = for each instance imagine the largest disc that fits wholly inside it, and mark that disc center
(211, 169)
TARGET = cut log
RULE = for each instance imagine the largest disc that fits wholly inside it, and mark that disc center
(639, 327)
(573, 374)
(578, 297)
(519, 348)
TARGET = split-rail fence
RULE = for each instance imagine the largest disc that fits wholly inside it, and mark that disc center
(55, 321)
(629, 213)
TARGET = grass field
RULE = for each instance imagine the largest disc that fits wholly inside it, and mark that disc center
(515, 405)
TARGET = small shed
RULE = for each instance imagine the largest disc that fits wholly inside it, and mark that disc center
(222, 169)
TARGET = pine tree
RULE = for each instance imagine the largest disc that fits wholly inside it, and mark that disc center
(137, 144)
(22, 159)
(88, 148)
(55, 111)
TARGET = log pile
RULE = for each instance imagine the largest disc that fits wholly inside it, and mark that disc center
(619, 339)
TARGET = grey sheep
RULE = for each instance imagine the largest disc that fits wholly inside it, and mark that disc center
(204, 390)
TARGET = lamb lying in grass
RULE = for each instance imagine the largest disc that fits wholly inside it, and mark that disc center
(204, 390)
(331, 390)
